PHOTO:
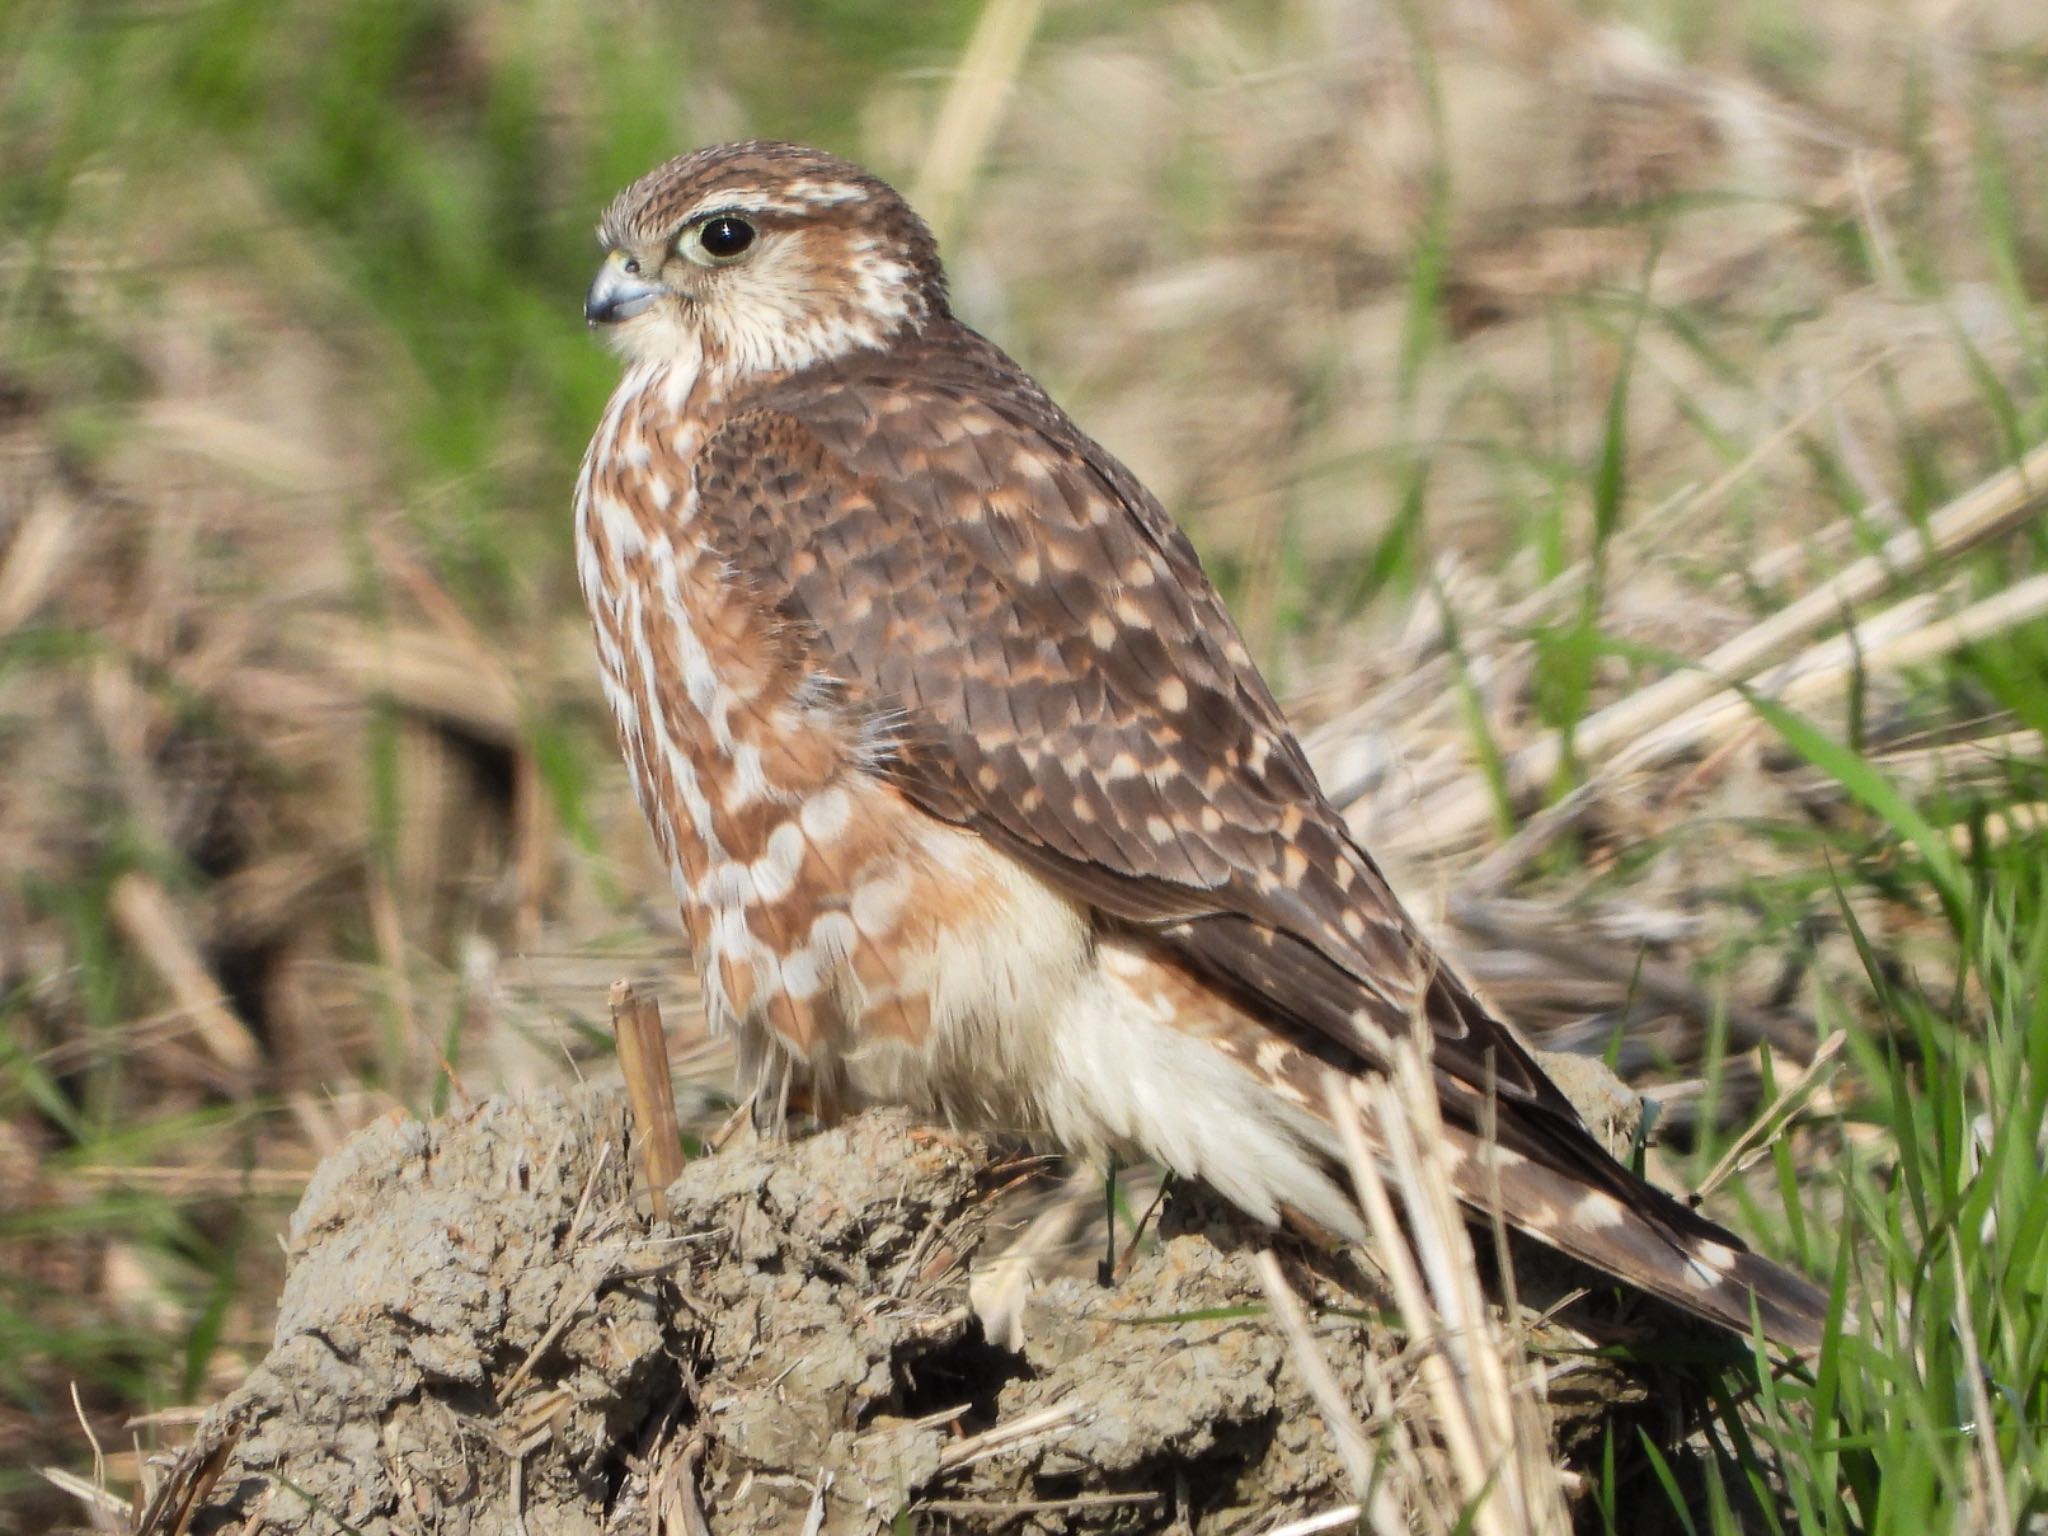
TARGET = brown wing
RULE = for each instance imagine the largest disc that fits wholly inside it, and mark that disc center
(1051, 665)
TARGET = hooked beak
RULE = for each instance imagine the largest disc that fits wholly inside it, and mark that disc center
(616, 294)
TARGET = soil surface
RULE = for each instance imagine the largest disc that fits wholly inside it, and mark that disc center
(482, 1331)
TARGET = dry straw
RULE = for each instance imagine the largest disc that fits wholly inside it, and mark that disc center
(1477, 1454)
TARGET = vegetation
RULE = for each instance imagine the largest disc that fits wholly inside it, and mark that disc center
(1618, 428)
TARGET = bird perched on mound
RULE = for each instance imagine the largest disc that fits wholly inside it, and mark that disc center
(971, 793)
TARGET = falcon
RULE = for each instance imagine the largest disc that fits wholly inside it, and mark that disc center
(972, 796)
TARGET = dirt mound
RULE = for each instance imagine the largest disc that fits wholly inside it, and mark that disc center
(481, 1331)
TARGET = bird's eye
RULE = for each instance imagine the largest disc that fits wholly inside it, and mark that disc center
(632, 266)
(717, 241)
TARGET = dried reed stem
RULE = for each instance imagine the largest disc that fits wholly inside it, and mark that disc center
(1352, 1447)
(643, 1061)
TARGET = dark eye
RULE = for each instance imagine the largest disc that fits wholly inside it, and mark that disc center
(725, 237)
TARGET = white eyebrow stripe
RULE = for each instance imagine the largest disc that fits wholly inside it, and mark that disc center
(797, 197)
(742, 200)
(826, 194)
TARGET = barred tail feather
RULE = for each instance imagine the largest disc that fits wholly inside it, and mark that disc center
(1644, 1237)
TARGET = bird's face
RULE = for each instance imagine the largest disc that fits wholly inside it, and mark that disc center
(761, 258)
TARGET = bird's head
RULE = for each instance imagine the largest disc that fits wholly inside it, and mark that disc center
(761, 258)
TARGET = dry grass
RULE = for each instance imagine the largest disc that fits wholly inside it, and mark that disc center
(1529, 381)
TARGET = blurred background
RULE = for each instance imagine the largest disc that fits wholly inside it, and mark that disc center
(1501, 356)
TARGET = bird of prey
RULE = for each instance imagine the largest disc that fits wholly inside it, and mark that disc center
(972, 795)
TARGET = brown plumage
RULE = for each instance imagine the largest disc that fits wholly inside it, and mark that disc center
(973, 796)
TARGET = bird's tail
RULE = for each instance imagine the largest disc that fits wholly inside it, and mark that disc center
(1629, 1228)
(1574, 1197)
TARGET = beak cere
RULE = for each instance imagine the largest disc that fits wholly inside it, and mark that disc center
(616, 294)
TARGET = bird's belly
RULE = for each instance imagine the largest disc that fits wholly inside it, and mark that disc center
(979, 977)
(922, 967)
(1097, 1042)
